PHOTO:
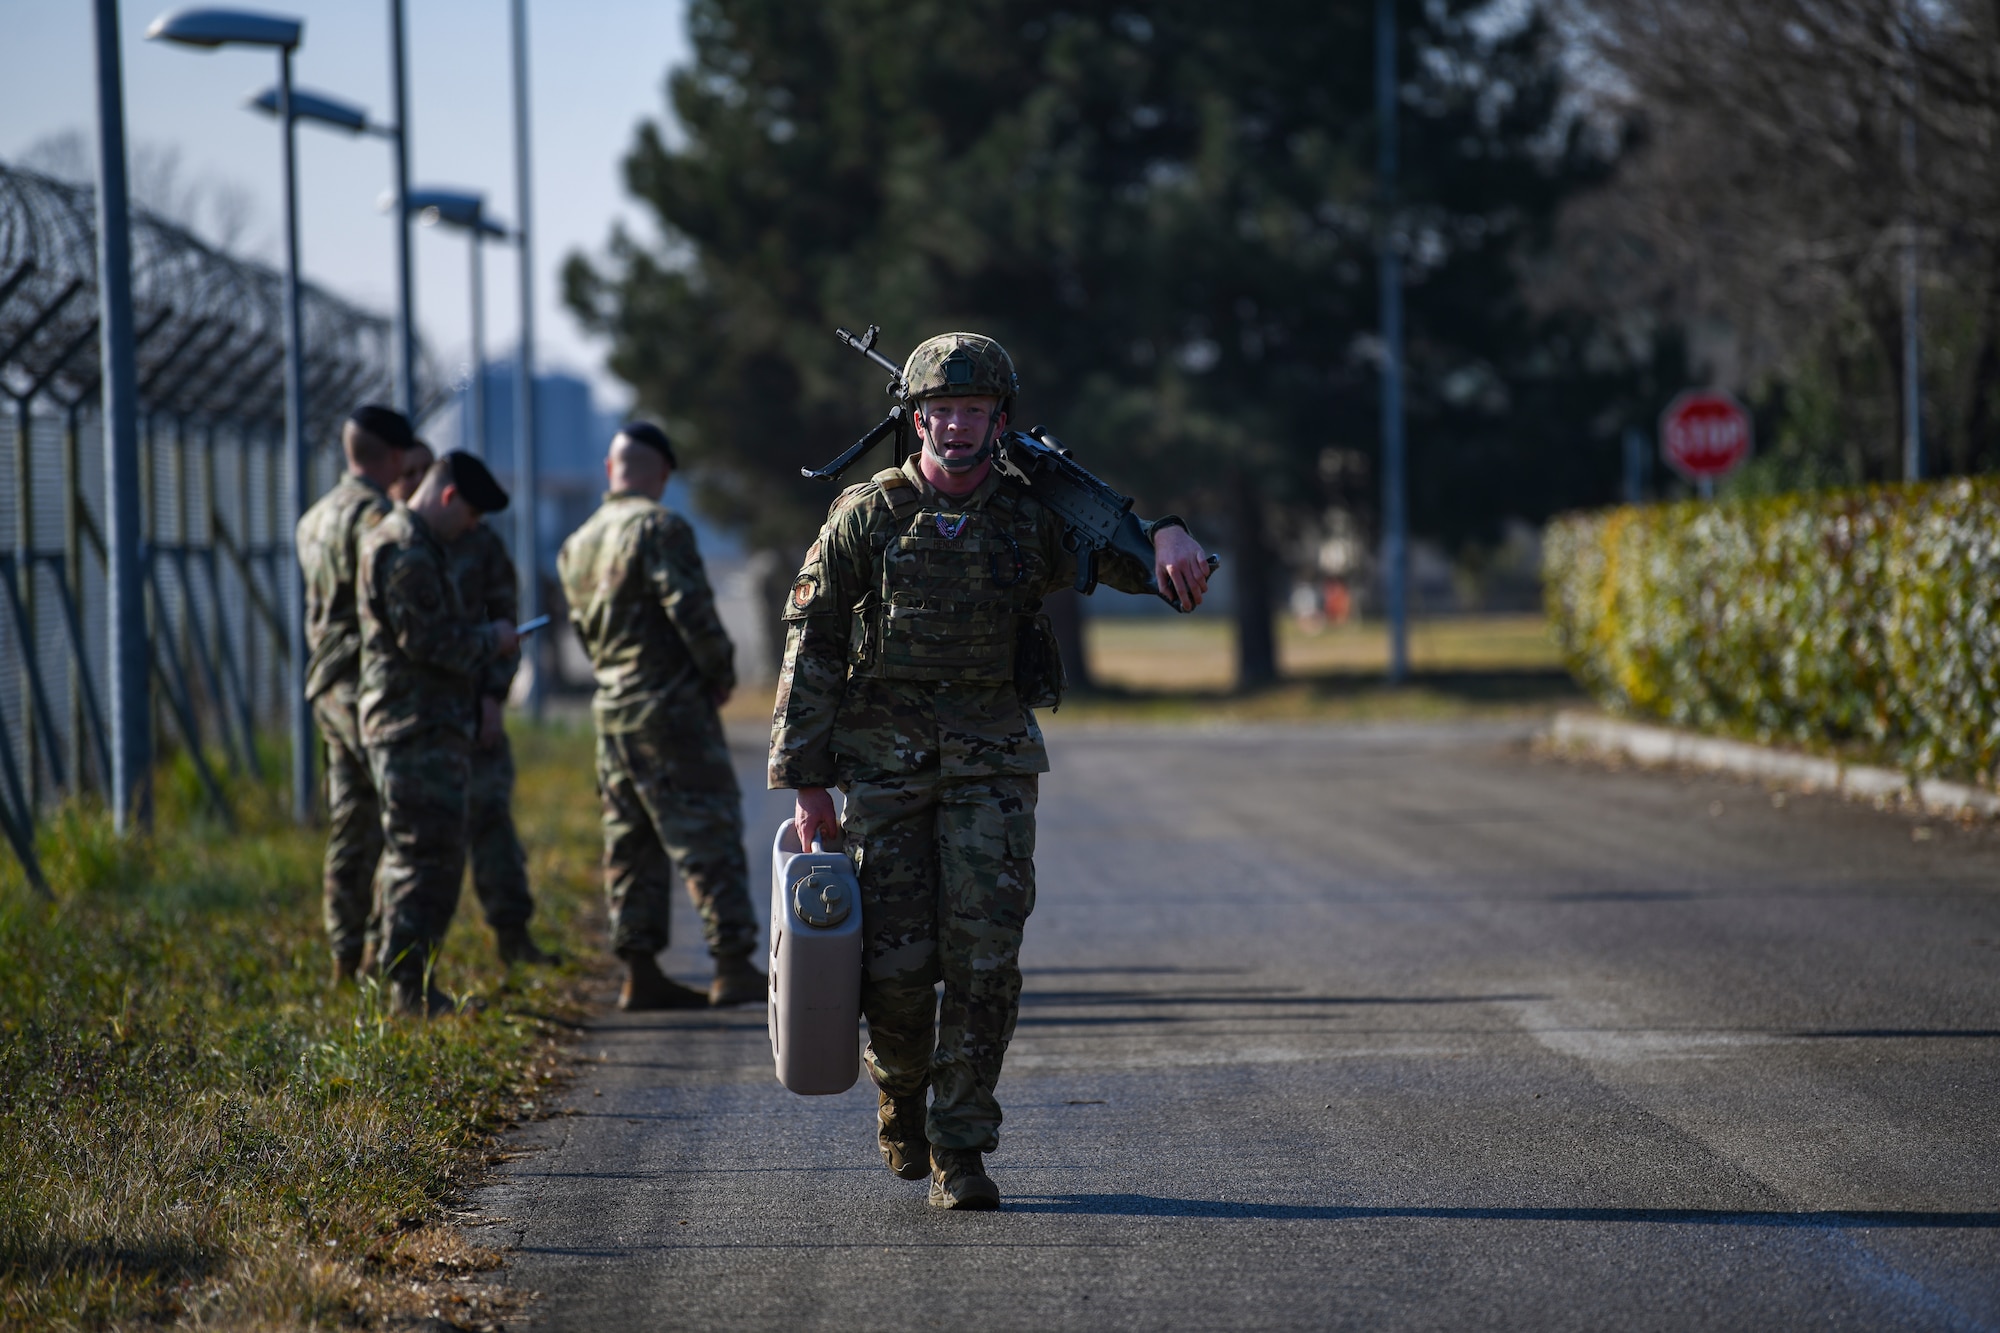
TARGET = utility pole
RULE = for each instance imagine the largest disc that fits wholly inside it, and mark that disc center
(406, 332)
(527, 535)
(1913, 388)
(1635, 465)
(1395, 501)
(131, 775)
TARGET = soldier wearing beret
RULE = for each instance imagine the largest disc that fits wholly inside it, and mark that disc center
(914, 656)
(484, 575)
(374, 440)
(422, 657)
(641, 604)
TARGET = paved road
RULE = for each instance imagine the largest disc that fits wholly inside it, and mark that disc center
(1373, 1029)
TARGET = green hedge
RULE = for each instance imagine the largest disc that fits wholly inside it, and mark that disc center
(1856, 621)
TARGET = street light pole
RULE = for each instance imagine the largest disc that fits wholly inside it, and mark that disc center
(1395, 503)
(209, 29)
(295, 459)
(527, 544)
(131, 776)
(475, 414)
(406, 333)
(465, 211)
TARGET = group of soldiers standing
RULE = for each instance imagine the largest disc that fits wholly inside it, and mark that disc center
(915, 656)
(410, 607)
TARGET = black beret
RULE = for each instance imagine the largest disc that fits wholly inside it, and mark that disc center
(646, 433)
(385, 424)
(475, 483)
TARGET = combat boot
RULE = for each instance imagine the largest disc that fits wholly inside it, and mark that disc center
(737, 981)
(648, 988)
(900, 1131)
(415, 995)
(959, 1180)
(517, 946)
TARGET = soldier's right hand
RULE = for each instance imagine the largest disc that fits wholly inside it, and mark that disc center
(505, 641)
(814, 817)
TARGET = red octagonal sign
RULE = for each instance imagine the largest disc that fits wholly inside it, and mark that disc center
(1704, 435)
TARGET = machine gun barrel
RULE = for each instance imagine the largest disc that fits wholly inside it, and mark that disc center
(865, 344)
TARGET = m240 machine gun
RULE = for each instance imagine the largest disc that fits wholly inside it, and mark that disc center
(1095, 517)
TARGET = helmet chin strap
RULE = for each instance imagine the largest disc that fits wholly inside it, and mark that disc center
(970, 461)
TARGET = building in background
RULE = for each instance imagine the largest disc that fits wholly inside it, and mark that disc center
(572, 431)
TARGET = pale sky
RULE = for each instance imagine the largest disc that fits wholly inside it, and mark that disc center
(596, 67)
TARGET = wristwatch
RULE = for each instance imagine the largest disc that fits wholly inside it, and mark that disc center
(1164, 521)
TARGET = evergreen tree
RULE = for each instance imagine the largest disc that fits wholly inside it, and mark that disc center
(1168, 216)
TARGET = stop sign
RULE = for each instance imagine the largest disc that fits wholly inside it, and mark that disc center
(1704, 435)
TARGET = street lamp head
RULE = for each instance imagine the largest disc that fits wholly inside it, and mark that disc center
(453, 208)
(318, 107)
(226, 27)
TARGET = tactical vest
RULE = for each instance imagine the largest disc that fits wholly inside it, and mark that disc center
(958, 598)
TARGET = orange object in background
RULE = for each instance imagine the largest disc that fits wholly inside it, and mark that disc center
(1337, 603)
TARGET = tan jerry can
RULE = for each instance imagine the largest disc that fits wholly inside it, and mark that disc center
(815, 1010)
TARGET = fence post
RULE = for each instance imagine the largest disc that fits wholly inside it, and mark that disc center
(24, 580)
(72, 488)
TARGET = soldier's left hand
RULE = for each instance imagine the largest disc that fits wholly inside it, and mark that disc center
(1180, 566)
(490, 724)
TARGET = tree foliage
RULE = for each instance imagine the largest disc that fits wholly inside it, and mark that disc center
(1788, 152)
(1169, 215)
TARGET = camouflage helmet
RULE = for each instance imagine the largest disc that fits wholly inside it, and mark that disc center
(960, 365)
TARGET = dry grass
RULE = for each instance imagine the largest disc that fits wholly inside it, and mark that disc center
(1160, 670)
(1198, 652)
(1156, 670)
(199, 1131)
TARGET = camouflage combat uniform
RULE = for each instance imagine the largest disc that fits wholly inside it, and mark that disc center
(422, 658)
(899, 687)
(642, 607)
(483, 573)
(328, 542)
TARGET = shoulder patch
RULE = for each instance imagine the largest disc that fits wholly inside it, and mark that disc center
(804, 591)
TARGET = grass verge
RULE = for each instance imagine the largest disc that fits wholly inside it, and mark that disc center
(1157, 670)
(199, 1130)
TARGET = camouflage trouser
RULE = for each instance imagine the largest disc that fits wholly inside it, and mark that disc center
(354, 823)
(947, 875)
(422, 780)
(499, 866)
(671, 802)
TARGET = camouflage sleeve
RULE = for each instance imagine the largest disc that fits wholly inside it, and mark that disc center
(416, 603)
(818, 621)
(503, 602)
(679, 580)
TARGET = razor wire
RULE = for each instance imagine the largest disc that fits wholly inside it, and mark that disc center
(210, 356)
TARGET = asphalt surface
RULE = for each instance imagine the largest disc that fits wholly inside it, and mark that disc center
(1368, 1028)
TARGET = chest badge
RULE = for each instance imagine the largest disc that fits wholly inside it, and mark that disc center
(950, 525)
